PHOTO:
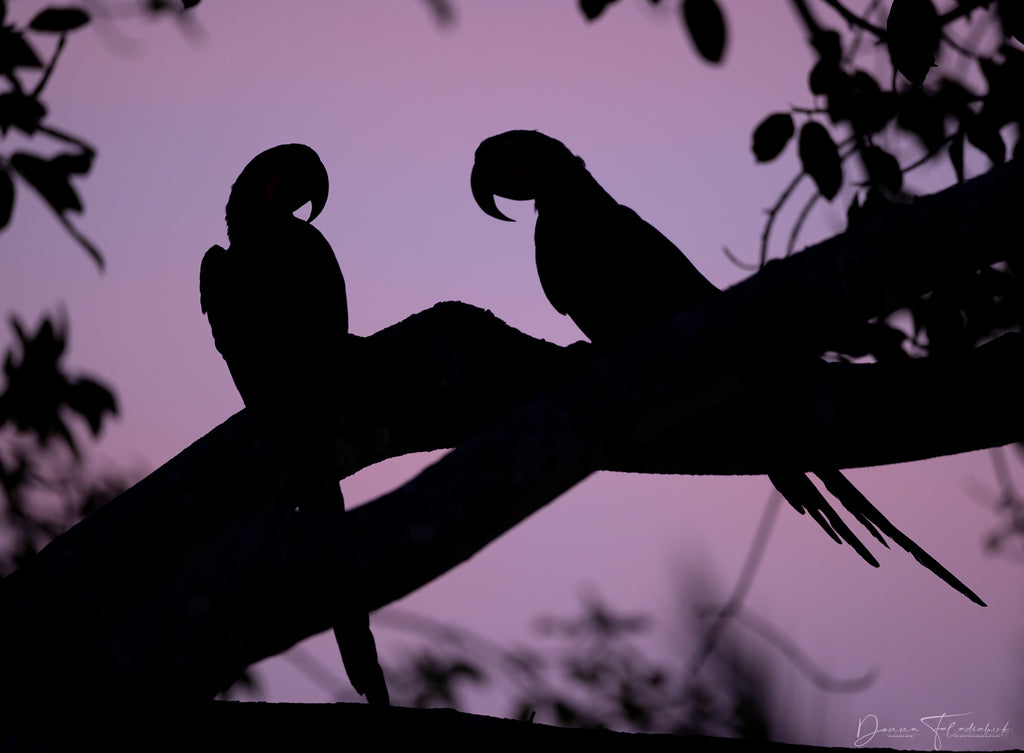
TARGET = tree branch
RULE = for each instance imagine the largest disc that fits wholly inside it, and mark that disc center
(205, 566)
(273, 727)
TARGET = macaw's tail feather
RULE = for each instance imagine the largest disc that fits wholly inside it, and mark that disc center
(359, 655)
(870, 517)
(804, 496)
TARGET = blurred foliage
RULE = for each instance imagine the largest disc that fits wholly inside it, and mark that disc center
(45, 486)
(1007, 538)
(596, 669)
(894, 86)
(57, 157)
(39, 394)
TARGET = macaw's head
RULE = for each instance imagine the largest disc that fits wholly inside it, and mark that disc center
(519, 165)
(276, 183)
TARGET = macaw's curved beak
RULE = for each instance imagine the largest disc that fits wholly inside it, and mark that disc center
(502, 166)
(483, 192)
(293, 175)
(319, 187)
(279, 180)
(309, 179)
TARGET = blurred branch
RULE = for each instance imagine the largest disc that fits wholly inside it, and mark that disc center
(48, 71)
(804, 664)
(1009, 506)
(722, 615)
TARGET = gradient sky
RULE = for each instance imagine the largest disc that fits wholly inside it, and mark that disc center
(396, 106)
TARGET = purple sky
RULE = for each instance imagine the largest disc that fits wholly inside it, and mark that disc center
(396, 106)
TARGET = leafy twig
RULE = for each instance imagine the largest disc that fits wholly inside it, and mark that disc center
(61, 41)
(799, 223)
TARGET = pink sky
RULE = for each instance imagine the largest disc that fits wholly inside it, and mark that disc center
(396, 106)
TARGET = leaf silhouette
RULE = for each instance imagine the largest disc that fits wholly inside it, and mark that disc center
(923, 115)
(1005, 80)
(59, 20)
(594, 8)
(92, 401)
(704, 21)
(914, 32)
(820, 159)
(36, 383)
(984, 135)
(21, 111)
(38, 390)
(15, 52)
(883, 168)
(50, 178)
(772, 135)
(6, 198)
(869, 108)
(78, 163)
(1011, 16)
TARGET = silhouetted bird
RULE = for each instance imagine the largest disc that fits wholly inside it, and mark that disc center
(615, 275)
(276, 303)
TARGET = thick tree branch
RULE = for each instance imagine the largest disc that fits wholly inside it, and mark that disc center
(204, 566)
(843, 415)
(257, 727)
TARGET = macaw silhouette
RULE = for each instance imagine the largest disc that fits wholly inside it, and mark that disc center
(615, 275)
(276, 302)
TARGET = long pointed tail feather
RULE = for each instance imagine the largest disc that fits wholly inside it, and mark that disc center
(871, 518)
(804, 496)
(359, 655)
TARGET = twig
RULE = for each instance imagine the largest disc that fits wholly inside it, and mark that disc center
(858, 33)
(744, 265)
(856, 21)
(50, 66)
(85, 243)
(740, 590)
(928, 157)
(773, 213)
(65, 136)
(809, 21)
(965, 8)
(799, 224)
(802, 661)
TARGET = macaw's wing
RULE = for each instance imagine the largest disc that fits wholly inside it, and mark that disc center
(656, 278)
(219, 287)
(611, 271)
(316, 291)
(233, 336)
